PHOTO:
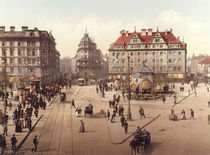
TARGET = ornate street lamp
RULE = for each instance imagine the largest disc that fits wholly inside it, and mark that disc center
(129, 91)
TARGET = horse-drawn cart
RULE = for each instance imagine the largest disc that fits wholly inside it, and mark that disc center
(63, 97)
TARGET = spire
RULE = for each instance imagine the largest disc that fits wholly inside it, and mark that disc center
(134, 28)
(86, 30)
(157, 29)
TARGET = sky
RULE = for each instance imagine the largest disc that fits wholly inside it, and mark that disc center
(104, 19)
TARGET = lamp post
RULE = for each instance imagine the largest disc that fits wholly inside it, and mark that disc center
(129, 91)
(5, 83)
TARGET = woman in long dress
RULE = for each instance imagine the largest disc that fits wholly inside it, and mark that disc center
(82, 127)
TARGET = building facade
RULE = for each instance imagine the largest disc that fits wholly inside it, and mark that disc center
(162, 52)
(29, 52)
(88, 60)
(66, 67)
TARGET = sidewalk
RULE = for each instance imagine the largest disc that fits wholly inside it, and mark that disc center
(11, 126)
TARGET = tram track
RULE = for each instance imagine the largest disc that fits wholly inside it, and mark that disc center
(53, 110)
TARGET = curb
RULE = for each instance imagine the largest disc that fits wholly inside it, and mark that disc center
(24, 139)
(52, 101)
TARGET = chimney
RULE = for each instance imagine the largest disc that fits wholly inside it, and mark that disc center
(2, 28)
(178, 38)
(171, 30)
(122, 32)
(126, 33)
(12, 28)
(24, 28)
(143, 32)
(149, 32)
(166, 31)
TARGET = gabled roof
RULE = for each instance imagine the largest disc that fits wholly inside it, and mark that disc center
(168, 37)
(205, 61)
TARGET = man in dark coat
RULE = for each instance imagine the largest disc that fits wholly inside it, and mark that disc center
(122, 120)
(13, 142)
(35, 143)
(126, 126)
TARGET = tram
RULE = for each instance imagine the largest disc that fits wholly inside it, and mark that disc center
(81, 82)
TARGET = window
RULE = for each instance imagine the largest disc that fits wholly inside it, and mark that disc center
(146, 53)
(123, 54)
(131, 69)
(179, 60)
(138, 53)
(19, 61)
(19, 70)
(170, 68)
(157, 40)
(11, 70)
(153, 46)
(170, 53)
(123, 60)
(161, 53)
(161, 46)
(161, 60)
(3, 44)
(131, 53)
(174, 68)
(138, 60)
(179, 68)
(11, 60)
(131, 61)
(19, 53)
(11, 53)
(146, 46)
(153, 53)
(3, 53)
(161, 68)
(180, 53)
(153, 61)
(33, 53)
(4, 60)
(153, 68)
(174, 60)
(174, 53)
(145, 60)
(134, 40)
(169, 60)
(113, 60)
(19, 43)
(113, 54)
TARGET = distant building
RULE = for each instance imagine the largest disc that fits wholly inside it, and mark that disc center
(198, 67)
(29, 52)
(66, 67)
(162, 52)
(88, 60)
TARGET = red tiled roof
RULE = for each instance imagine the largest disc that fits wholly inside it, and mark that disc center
(168, 37)
(205, 61)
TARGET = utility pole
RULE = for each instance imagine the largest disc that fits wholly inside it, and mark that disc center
(129, 91)
(5, 83)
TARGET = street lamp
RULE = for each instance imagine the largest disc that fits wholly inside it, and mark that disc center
(5, 83)
(129, 91)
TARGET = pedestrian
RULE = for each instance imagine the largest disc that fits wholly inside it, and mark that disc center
(113, 117)
(126, 126)
(110, 103)
(195, 93)
(13, 142)
(108, 114)
(192, 114)
(10, 105)
(172, 111)
(73, 104)
(5, 129)
(122, 120)
(183, 117)
(164, 99)
(207, 89)
(141, 112)
(4, 144)
(36, 112)
(35, 143)
(82, 127)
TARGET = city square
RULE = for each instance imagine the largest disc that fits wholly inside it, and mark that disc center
(104, 77)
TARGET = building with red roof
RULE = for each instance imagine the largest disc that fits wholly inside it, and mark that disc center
(162, 52)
